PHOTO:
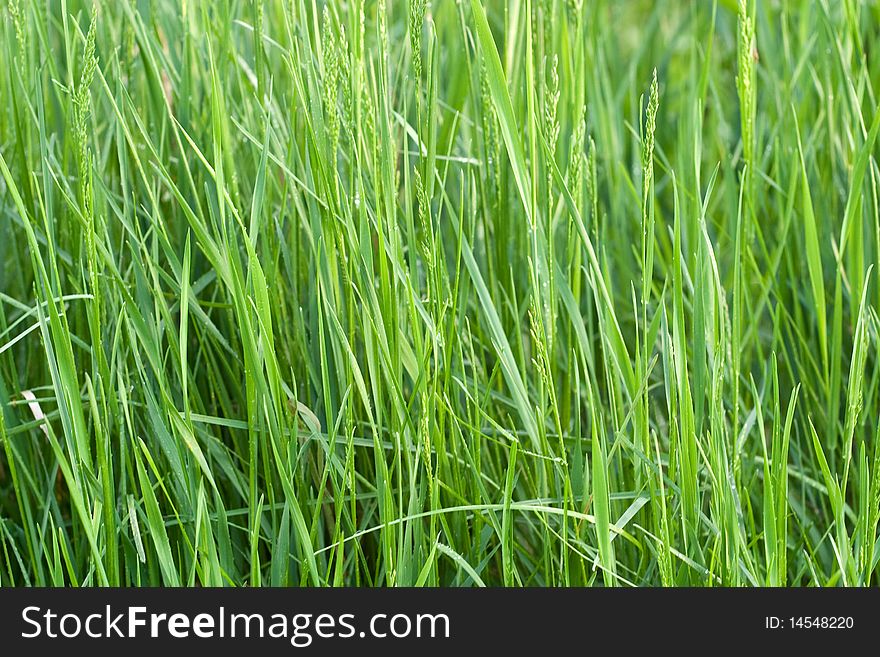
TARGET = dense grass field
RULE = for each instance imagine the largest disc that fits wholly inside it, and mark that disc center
(526, 293)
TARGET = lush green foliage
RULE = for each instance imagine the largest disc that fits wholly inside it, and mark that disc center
(539, 292)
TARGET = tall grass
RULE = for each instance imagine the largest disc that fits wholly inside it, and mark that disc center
(527, 293)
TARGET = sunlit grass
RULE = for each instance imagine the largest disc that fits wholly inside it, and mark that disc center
(528, 293)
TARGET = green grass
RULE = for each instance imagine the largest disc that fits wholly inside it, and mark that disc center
(527, 293)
